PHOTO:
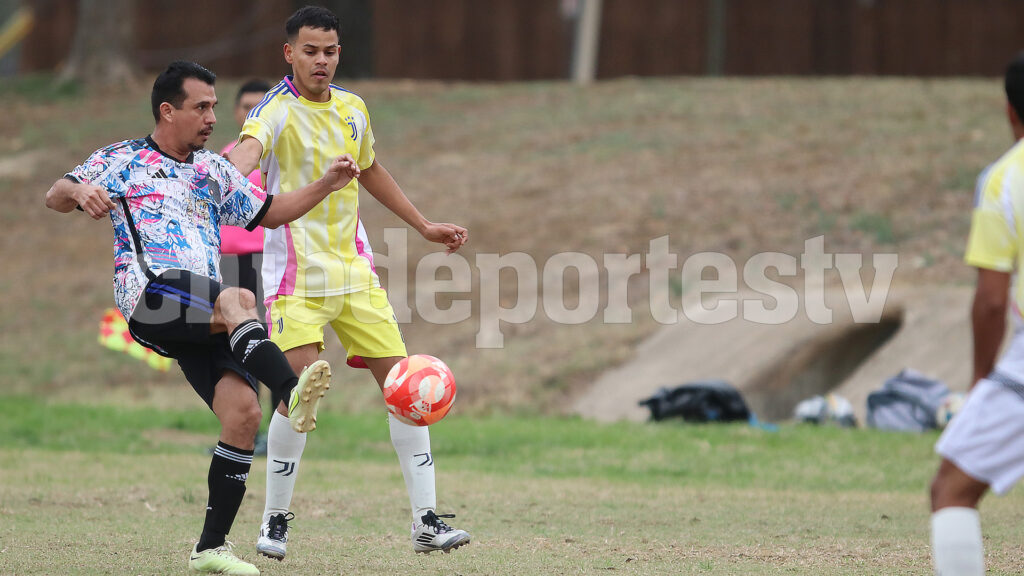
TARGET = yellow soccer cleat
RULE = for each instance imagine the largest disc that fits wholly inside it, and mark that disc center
(313, 384)
(220, 560)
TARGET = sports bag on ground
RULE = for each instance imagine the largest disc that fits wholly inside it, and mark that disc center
(906, 402)
(704, 401)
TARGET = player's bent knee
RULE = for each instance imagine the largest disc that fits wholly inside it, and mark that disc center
(239, 415)
(245, 421)
(953, 487)
(236, 300)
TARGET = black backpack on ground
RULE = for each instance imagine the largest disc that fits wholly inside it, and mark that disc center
(704, 401)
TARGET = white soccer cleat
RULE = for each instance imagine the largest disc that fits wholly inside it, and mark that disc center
(431, 533)
(313, 383)
(273, 540)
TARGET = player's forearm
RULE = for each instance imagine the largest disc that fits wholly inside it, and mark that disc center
(293, 205)
(382, 186)
(988, 321)
(60, 196)
(246, 155)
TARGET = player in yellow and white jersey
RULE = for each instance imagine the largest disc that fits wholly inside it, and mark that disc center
(981, 447)
(318, 270)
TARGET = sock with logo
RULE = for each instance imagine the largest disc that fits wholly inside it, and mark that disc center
(284, 450)
(263, 359)
(412, 444)
(229, 470)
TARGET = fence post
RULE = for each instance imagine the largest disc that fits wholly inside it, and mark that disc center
(585, 42)
(716, 38)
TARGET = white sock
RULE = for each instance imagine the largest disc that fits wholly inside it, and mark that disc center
(284, 450)
(956, 542)
(412, 444)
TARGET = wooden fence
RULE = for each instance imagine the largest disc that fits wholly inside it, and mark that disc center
(532, 39)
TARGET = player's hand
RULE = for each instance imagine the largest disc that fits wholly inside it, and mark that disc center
(94, 200)
(341, 171)
(451, 235)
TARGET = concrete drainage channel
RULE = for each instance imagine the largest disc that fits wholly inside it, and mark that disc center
(776, 366)
(817, 365)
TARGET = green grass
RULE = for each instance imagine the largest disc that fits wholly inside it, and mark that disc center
(738, 456)
(878, 225)
(114, 490)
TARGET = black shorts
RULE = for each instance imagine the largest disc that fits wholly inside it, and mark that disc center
(173, 319)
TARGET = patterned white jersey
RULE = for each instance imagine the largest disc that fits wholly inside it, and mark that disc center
(169, 212)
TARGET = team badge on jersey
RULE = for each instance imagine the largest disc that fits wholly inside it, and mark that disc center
(352, 124)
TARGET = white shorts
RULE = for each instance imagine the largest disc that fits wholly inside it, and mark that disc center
(986, 438)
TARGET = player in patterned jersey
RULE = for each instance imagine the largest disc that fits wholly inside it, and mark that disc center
(166, 197)
(981, 447)
(318, 271)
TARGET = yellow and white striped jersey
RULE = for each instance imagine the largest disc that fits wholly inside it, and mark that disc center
(326, 251)
(994, 243)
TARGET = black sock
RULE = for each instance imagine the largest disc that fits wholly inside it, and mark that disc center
(263, 359)
(229, 470)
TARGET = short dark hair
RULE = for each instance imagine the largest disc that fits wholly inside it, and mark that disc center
(169, 85)
(1015, 85)
(255, 85)
(312, 17)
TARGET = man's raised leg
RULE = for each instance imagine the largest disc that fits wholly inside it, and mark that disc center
(235, 312)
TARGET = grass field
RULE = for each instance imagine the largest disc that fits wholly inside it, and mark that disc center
(112, 490)
(102, 462)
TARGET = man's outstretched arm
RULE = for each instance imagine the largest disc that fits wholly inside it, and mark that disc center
(65, 196)
(246, 155)
(382, 186)
(287, 207)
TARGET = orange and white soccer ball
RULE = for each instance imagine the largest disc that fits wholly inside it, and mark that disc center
(419, 390)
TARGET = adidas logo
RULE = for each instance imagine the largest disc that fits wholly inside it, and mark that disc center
(240, 477)
(250, 347)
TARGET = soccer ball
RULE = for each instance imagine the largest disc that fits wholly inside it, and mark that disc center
(419, 390)
(948, 408)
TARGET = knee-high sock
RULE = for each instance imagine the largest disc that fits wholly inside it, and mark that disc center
(412, 444)
(284, 450)
(263, 359)
(956, 542)
(229, 469)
